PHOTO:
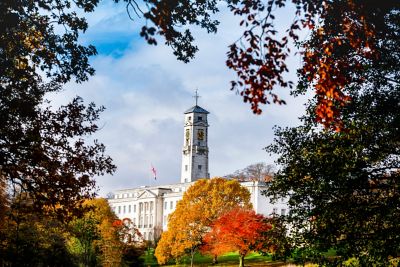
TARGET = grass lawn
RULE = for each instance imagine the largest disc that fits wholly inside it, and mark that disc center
(229, 259)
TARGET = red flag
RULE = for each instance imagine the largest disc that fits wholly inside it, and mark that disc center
(153, 170)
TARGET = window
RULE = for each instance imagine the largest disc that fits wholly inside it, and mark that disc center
(144, 236)
(151, 221)
(171, 205)
(283, 212)
(186, 180)
(119, 209)
(199, 167)
(274, 211)
(140, 207)
(124, 209)
(200, 118)
(150, 236)
(146, 219)
(165, 205)
(146, 205)
(190, 118)
(186, 168)
(151, 206)
(134, 208)
(129, 208)
(134, 221)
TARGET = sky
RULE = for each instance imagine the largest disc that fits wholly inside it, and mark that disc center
(146, 90)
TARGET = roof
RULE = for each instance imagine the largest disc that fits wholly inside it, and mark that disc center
(196, 109)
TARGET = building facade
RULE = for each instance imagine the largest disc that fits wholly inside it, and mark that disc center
(148, 207)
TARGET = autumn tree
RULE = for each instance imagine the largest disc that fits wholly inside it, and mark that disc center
(261, 172)
(43, 149)
(95, 238)
(239, 230)
(99, 235)
(31, 239)
(343, 187)
(200, 206)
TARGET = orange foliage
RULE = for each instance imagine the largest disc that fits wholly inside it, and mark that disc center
(200, 206)
(239, 229)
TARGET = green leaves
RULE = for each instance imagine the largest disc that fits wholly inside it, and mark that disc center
(344, 187)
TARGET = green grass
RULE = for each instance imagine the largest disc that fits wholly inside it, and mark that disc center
(228, 259)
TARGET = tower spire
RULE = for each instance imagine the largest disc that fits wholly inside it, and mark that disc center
(196, 95)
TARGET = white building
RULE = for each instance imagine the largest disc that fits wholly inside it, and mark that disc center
(148, 207)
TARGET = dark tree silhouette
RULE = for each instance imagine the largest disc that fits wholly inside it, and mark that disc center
(344, 187)
(43, 150)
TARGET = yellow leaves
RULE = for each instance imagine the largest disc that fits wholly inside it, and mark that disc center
(32, 39)
(201, 204)
(21, 63)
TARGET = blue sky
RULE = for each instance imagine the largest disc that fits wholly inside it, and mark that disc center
(146, 90)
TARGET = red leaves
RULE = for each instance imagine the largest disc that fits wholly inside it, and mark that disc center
(238, 229)
(117, 223)
(345, 36)
(334, 55)
(260, 61)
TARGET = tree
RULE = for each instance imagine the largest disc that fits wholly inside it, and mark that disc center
(99, 235)
(352, 29)
(343, 187)
(201, 204)
(42, 149)
(95, 238)
(30, 239)
(278, 240)
(237, 230)
(255, 172)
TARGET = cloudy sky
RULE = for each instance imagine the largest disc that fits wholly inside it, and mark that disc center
(146, 90)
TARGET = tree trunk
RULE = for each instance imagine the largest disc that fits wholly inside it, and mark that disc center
(215, 259)
(241, 260)
(192, 258)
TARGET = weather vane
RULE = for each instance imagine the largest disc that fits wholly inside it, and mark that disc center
(196, 95)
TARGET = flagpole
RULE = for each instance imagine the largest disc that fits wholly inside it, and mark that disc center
(154, 171)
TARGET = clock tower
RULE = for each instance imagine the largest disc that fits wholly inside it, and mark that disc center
(195, 144)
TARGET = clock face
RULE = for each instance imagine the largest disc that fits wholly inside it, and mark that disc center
(200, 134)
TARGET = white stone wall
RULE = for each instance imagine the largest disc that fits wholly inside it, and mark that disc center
(262, 204)
(169, 205)
(195, 151)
